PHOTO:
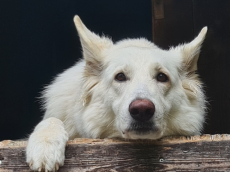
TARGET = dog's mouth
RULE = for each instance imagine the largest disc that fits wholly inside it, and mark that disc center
(141, 130)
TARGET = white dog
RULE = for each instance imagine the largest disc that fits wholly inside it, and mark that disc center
(130, 89)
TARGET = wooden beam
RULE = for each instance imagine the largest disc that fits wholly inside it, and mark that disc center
(198, 153)
(172, 22)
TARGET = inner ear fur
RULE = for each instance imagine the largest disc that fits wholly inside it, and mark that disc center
(191, 52)
(94, 49)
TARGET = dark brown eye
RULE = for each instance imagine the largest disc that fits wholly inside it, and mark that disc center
(120, 77)
(161, 77)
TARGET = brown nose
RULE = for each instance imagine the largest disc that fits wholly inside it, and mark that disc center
(141, 110)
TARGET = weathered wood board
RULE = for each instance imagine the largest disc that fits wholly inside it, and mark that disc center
(198, 153)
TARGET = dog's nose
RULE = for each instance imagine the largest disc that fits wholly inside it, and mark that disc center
(141, 110)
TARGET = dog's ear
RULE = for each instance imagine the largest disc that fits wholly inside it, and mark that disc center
(191, 51)
(93, 45)
(94, 51)
(190, 54)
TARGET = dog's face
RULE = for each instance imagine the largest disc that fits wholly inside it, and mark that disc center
(142, 82)
(151, 92)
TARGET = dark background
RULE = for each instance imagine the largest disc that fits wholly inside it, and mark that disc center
(183, 19)
(38, 40)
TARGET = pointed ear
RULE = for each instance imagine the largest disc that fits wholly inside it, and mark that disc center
(191, 51)
(93, 45)
(94, 48)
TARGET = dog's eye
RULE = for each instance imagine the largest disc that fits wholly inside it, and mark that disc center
(120, 77)
(161, 77)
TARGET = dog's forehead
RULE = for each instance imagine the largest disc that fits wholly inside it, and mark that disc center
(143, 55)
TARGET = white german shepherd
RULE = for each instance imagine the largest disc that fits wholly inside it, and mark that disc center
(130, 89)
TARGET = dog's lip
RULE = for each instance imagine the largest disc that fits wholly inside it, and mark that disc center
(152, 134)
(142, 131)
(142, 127)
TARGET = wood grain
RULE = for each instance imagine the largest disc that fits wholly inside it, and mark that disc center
(176, 26)
(198, 153)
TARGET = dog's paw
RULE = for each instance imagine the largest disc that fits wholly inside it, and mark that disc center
(46, 146)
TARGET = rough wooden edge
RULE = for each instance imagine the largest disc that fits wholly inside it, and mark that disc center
(165, 140)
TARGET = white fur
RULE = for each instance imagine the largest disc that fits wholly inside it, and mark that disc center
(91, 103)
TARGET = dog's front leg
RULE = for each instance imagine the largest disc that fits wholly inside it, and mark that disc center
(46, 145)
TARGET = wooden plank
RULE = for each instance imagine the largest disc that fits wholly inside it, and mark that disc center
(158, 9)
(175, 25)
(198, 153)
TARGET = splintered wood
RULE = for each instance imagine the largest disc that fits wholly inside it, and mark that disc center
(198, 153)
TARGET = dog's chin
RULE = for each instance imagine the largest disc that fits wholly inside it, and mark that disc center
(142, 131)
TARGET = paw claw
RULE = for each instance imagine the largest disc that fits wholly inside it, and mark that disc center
(31, 163)
(56, 166)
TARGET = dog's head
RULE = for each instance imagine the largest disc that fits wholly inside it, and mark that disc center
(150, 92)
